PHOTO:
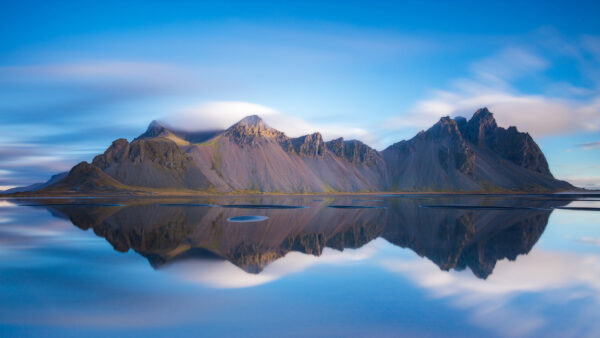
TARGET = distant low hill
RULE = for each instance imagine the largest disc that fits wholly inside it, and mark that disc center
(453, 155)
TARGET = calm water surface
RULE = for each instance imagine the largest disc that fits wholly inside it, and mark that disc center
(338, 266)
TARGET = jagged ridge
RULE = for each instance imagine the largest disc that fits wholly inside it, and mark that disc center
(452, 155)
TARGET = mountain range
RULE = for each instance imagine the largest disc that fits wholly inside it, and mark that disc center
(455, 154)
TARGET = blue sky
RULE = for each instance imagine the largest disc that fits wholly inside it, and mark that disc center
(76, 75)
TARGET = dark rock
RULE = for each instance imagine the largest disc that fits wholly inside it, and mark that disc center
(151, 162)
(86, 177)
(456, 154)
(354, 152)
(519, 148)
(308, 145)
(157, 129)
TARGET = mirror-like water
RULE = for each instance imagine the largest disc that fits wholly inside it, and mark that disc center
(426, 265)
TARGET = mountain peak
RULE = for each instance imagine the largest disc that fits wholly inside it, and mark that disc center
(482, 111)
(157, 125)
(483, 116)
(445, 127)
(154, 124)
(155, 128)
(480, 126)
(252, 121)
(251, 127)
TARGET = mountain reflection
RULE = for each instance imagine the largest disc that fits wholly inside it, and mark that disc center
(453, 232)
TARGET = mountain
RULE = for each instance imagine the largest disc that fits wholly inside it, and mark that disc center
(86, 177)
(249, 156)
(476, 155)
(37, 186)
(452, 155)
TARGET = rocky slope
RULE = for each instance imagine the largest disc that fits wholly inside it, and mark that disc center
(37, 186)
(251, 156)
(155, 162)
(475, 155)
(452, 155)
(86, 177)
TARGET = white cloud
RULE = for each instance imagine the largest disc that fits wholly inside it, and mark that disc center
(589, 240)
(222, 114)
(542, 272)
(90, 71)
(493, 303)
(6, 204)
(223, 274)
(536, 114)
(216, 115)
(514, 85)
(589, 146)
(489, 85)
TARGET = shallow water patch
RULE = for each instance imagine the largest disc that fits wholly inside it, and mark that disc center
(335, 206)
(249, 218)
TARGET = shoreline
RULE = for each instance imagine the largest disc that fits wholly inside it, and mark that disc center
(274, 194)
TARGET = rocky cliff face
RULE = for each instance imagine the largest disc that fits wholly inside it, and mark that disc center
(438, 159)
(519, 148)
(87, 178)
(155, 162)
(453, 155)
(456, 154)
(251, 156)
(354, 152)
(251, 130)
(181, 137)
(311, 145)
